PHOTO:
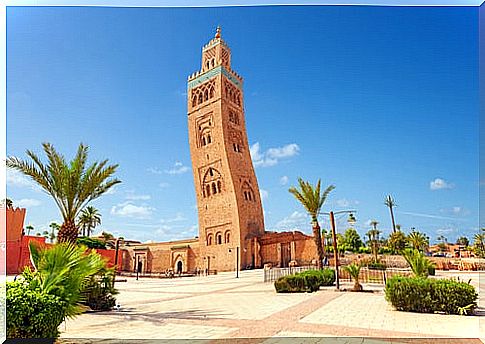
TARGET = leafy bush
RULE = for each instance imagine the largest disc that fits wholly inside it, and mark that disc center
(53, 292)
(371, 264)
(364, 249)
(31, 313)
(99, 291)
(306, 281)
(423, 295)
(91, 242)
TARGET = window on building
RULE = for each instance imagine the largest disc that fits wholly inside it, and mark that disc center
(228, 237)
(219, 239)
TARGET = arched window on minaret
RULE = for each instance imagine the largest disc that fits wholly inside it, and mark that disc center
(208, 138)
(219, 239)
(209, 240)
(227, 237)
(219, 186)
(214, 189)
(206, 95)
(203, 141)
(201, 99)
(207, 190)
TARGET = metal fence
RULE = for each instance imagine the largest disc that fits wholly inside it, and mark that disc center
(271, 275)
(366, 275)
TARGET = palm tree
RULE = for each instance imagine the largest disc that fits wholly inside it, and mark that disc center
(420, 265)
(89, 219)
(72, 185)
(7, 202)
(312, 200)
(354, 271)
(389, 201)
(29, 228)
(418, 240)
(54, 228)
(373, 236)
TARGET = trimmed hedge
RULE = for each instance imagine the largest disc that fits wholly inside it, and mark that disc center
(423, 295)
(306, 281)
(32, 314)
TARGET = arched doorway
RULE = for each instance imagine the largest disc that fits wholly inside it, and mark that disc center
(179, 267)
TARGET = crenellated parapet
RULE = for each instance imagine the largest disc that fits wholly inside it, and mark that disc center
(15, 223)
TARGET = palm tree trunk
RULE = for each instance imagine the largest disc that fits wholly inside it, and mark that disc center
(318, 242)
(393, 223)
(67, 232)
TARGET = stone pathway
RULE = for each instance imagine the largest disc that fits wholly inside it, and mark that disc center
(221, 308)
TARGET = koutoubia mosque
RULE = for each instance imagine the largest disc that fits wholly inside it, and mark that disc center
(230, 213)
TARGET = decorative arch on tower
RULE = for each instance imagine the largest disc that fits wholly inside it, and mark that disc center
(203, 93)
(248, 192)
(232, 93)
(212, 183)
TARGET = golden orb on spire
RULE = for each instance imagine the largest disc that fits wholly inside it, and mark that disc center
(218, 32)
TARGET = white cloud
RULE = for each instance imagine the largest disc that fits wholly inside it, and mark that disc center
(439, 184)
(284, 180)
(296, 220)
(16, 178)
(154, 170)
(178, 168)
(134, 197)
(273, 155)
(429, 216)
(264, 194)
(164, 185)
(283, 152)
(458, 211)
(343, 202)
(26, 203)
(178, 217)
(127, 209)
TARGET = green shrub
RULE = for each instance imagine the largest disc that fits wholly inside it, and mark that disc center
(364, 249)
(31, 313)
(418, 294)
(91, 242)
(99, 291)
(327, 277)
(306, 281)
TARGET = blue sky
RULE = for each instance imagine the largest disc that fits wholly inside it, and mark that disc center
(374, 100)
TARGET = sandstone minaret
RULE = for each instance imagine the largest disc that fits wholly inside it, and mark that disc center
(228, 199)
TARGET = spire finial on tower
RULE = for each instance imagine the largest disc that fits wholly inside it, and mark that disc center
(218, 31)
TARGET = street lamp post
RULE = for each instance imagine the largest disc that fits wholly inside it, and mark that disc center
(137, 266)
(334, 239)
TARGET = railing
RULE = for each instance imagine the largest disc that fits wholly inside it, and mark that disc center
(271, 275)
(373, 275)
(366, 275)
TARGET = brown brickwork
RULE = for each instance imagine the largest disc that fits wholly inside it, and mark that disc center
(228, 199)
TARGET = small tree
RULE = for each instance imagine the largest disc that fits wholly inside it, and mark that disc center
(418, 240)
(397, 242)
(312, 200)
(463, 240)
(373, 236)
(29, 228)
(419, 264)
(354, 272)
(352, 240)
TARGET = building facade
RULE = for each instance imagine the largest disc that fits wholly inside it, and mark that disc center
(230, 212)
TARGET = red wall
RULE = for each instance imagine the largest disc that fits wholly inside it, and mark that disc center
(18, 255)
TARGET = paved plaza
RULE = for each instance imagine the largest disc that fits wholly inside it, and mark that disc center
(215, 307)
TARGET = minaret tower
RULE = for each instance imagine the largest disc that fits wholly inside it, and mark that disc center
(228, 199)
